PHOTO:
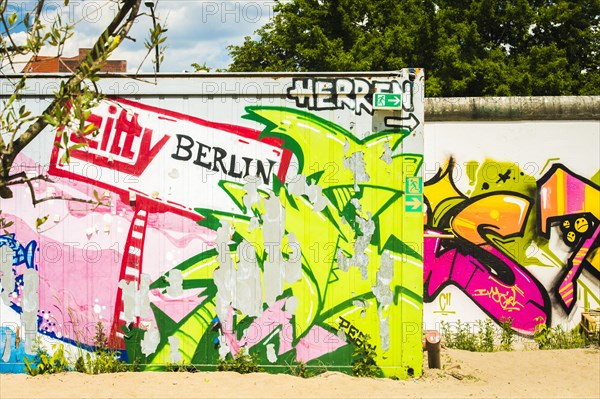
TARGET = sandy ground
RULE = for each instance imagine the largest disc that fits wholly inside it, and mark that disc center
(571, 373)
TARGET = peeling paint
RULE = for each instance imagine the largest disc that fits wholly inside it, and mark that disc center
(343, 262)
(254, 223)
(316, 197)
(361, 304)
(144, 296)
(298, 185)
(271, 355)
(291, 304)
(360, 259)
(248, 298)
(30, 304)
(356, 163)
(224, 275)
(7, 280)
(384, 330)
(223, 347)
(251, 197)
(129, 300)
(175, 354)
(150, 341)
(293, 266)
(356, 203)
(7, 347)
(136, 303)
(387, 153)
(175, 280)
(273, 231)
(385, 274)
(385, 297)
(341, 334)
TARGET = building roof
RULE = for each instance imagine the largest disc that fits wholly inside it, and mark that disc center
(45, 64)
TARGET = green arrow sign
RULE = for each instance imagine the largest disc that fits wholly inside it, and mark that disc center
(387, 101)
(413, 203)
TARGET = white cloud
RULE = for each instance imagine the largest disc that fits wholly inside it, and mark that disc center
(198, 30)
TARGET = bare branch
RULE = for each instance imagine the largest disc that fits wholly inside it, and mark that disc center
(36, 201)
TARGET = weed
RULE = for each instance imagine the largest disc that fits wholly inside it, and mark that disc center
(558, 338)
(43, 363)
(181, 368)
(363, 360)
(104, 359)
(300, 369)
(507, 338)
(242, 363)
(485, 342)
(461, 337)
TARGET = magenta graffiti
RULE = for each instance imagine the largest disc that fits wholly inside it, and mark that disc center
(485, 225)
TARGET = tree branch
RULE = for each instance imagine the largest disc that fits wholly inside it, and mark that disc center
(120, 26)
(36, 201)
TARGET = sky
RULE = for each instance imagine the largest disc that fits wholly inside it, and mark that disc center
(199, 31)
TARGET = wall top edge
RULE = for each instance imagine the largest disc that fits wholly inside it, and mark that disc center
(512, 108)
(168, 75)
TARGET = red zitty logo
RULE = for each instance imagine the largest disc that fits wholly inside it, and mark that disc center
(121, 144)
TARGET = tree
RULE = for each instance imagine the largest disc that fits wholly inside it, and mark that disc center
(77, 94)
(468, 48)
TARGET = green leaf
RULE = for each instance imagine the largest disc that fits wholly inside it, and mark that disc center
(40, 221)
(77, 146)
(12, 19)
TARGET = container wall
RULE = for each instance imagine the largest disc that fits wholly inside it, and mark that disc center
(279, 216)
(519, 203)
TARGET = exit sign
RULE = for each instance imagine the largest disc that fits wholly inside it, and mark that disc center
(387, 101)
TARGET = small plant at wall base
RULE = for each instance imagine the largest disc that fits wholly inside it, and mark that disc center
(43, 363)
(461, 338)
(242, 363)
(486, 335)
(363, 360)
(181, 368)
(104, 359)
(558, 338)
(507, 337)
(462, 335)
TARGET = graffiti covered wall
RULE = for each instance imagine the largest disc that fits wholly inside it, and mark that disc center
(277, 216)
(515, 206)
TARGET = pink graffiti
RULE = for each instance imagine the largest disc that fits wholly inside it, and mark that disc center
(521, 300)
(563, 193)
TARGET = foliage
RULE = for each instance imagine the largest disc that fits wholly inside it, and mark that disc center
(485, 342)
(468, 48)
(181, 368)
(104, 359)
(363, 361)
(462, 336)
(25, 36)
(301, 369)
(558, 338)
(507, 338)
(242, 363)
(43, 363)
(201, 68)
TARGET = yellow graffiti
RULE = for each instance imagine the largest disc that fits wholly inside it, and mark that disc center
(507, 300)
(502, 214)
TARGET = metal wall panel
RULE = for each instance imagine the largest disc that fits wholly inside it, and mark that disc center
(279, 215)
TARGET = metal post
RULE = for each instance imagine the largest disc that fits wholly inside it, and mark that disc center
(433, 344)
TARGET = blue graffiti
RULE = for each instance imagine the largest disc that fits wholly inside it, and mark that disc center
(11, 355)
(21, 254)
